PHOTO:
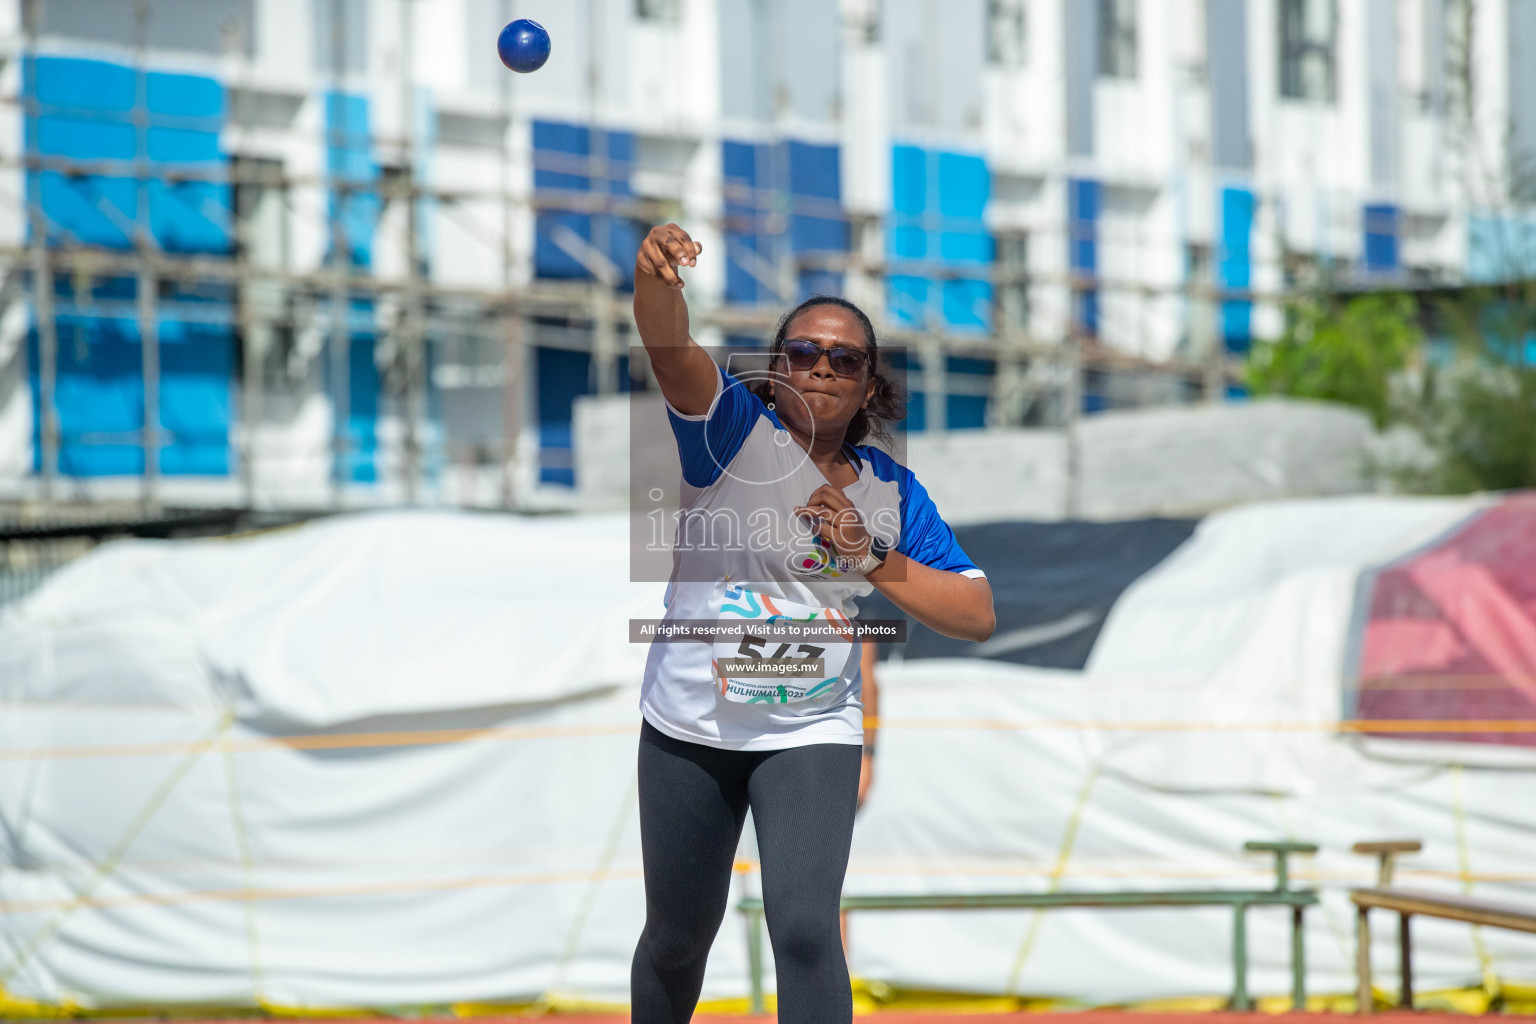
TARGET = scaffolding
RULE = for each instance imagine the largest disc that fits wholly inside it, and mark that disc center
(293, 328)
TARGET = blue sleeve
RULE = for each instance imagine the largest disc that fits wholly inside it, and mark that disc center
(925, 537)
(707, 443)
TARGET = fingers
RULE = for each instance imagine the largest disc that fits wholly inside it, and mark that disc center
(817, 512)
(832, 497)
(656, 260)
(820, 519)
(682, 250)
(830, 521)
(835, 519)
(665, 248)
(653, 262)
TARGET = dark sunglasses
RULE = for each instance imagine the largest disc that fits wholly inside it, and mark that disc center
(845, 362)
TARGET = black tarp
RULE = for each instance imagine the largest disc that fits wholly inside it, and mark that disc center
(1052, 583)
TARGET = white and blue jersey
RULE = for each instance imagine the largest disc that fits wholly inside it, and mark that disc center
(739, 546)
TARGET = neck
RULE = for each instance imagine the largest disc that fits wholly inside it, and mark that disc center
(824, 448)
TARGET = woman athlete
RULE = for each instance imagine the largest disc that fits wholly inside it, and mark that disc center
(786, 517)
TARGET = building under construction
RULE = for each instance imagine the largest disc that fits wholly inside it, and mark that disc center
(312, 254)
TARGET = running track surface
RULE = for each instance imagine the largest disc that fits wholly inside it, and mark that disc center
(905, 1017)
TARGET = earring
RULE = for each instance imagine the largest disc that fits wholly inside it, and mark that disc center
(770, 407)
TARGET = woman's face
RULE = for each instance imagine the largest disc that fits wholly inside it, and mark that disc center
(827, 400)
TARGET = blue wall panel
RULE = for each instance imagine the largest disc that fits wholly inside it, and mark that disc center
(184, 95)
(743, 241)
(1234, 267)
(938, 202)
(582, 161)
(197, 364)
(354, 200)
(964, 410)
(908, 368)
(816, 219)
(354, 176)
(99, 394)
(563, 376)
(1084, 199)
(907, 294)
(86, 110)
(917, 412)
(1500, 248)
(85, 84)
(800, 181)
(577, 162)
(938, 232)
(1381, 222)
(360, 463)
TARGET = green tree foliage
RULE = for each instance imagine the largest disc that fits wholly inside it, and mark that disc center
(1475, 407)
(1485, 433)
(1345, 352)
(1479, 412)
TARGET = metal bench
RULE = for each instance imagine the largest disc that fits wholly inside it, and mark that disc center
(1406, 903)
(1238, 899)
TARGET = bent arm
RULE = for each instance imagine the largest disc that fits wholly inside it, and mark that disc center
(685, 372)
(946, 602)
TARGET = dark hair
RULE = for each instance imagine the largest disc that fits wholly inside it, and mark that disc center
(887, 405)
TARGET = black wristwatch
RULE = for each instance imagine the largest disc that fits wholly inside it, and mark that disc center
(878, 549)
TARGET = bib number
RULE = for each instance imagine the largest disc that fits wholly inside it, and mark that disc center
(753, 665)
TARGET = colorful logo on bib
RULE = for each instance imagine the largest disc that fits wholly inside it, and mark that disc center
(760, 662)
(821, 560)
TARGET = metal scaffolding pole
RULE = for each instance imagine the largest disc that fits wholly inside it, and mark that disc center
(340, 347)
(935, 384)
(513, 321)
(1072, 413)
(252, 354)
(253, 336)
(149, 338)
(47, 358)
(42, 290)
(604, 339)
(412, 338)
(148, 284)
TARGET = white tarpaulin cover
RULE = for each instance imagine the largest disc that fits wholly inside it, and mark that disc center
(388, 760)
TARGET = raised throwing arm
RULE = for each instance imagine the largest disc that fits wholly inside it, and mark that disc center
(685, 372)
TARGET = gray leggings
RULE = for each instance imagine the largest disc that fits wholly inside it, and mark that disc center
(693, 801)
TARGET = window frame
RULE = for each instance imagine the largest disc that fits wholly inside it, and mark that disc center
(1457, 72)
(1295, 47)
(659, 12)
(1011, 16)
(1119, 39)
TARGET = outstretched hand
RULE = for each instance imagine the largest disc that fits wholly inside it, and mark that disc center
(666, 248)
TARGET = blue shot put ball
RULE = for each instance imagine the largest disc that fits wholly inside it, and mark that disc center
(523, 45)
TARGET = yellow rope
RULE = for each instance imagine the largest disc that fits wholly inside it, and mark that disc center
(432, 737)
(323, 741)
(1464, 864)
(304, 892)
(553, 996)
(82, 897)
(1068, 840)
(410, 885)
(247, 872)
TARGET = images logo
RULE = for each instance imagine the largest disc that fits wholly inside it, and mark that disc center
(821, 560)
